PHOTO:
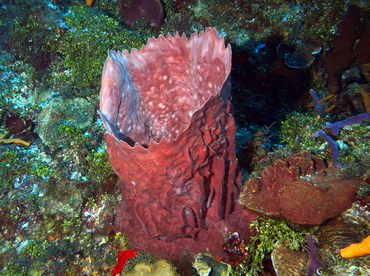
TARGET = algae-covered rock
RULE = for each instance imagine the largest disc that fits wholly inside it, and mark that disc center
(62, 199)
(76, 112)
(160, 267)
(205, 264)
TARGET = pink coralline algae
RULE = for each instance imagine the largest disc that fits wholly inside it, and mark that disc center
(300, 188)
(171, 141)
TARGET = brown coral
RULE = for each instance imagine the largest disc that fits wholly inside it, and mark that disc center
(301, 189)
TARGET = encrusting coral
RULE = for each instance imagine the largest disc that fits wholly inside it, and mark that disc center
(300, 188)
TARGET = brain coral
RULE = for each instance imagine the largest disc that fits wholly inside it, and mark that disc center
(300, 188)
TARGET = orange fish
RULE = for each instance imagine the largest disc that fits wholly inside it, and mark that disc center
(89, 2)
(356, 249)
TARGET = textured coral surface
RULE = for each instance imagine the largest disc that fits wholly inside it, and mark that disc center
(180, 180)
(301, 189)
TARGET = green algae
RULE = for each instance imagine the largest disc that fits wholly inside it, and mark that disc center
(11, 269)
(74, 134)
(120, 240)
(297, 130)
(259, 20)
(93, 162)
(354, 148)
(41, 169)
(99, 167)
(353, 141)
(267, 232)
(68, 49)
(34, 249)
(91, 33)
(12, 165)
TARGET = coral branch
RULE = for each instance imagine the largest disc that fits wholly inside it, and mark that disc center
(333, 146)
(316, 101)
(335, 127)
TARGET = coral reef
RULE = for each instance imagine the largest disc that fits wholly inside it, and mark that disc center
(68, 49)
(58, 202)
(244, 20)
(84, 46)
(301, 189)
(174, 154)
